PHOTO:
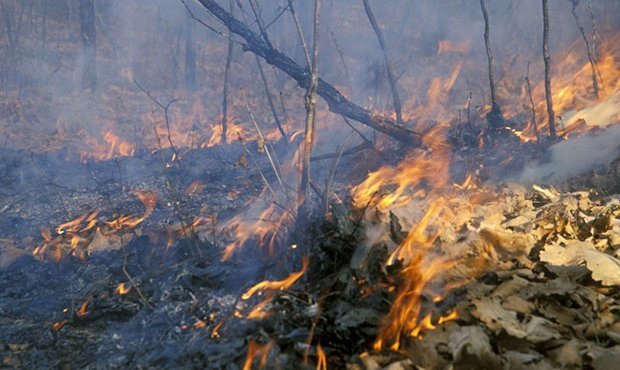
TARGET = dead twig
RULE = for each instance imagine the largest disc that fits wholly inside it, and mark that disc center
(133, 283)
(226, 77)
(495, 117)
(332, 173)
(300, 33)
(532, 106)
(336, 102)
(260, 171)
(310, 134)
(589, 51)
(274, 164)
(547, 60)
(386, 60)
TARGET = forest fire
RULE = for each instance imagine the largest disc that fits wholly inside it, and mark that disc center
(325, 184)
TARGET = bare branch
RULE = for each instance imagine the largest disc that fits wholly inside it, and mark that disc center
(337, 103)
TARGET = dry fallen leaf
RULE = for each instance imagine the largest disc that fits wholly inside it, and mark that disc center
(604, 268)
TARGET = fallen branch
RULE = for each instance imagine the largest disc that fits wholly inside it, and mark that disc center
(336, 102)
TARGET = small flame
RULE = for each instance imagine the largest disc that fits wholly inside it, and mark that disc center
(257, 350)
(267, 285)
(321, 363)
(122, 289)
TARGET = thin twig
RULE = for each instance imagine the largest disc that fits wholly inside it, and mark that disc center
(133, 283)
(532, 106)
(166, 108)
(588, 48)
(495, 116)
(274, 166)
(194, 17)
(310, 134)
(300, 33)
(388, 66)
(270, 99)
(260, 171)
(332, 173)
(226, 77)
(547, 60)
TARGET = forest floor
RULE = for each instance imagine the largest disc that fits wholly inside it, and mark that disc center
(534, 272)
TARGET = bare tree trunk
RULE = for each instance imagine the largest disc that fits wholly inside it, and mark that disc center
(190, 56)
(495, 117)
(589, 51)
(337, 102)
(310, 117)
(388, 66)
(547, 60)
(89, 42)
(226, 78)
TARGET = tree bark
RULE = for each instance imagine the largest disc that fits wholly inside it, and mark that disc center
(336, 101)
(89, 42)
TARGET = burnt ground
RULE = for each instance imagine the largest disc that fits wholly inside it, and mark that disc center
(40, 191)
(184, 309)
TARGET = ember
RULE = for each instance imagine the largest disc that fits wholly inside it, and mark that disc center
(324, 184)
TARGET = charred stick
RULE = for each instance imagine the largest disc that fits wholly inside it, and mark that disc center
(547, 60)
(494, 117)
(589, 51)
(336, 102)
(309, 136)
(226, 77)
(386, 60)
(532, 106)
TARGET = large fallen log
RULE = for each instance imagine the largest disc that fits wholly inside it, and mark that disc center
(336, 102)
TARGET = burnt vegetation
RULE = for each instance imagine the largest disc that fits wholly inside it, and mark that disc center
(325, 184)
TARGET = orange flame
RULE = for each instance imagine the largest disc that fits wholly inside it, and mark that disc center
(122, 289)
(267, 285)
(257, 350)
